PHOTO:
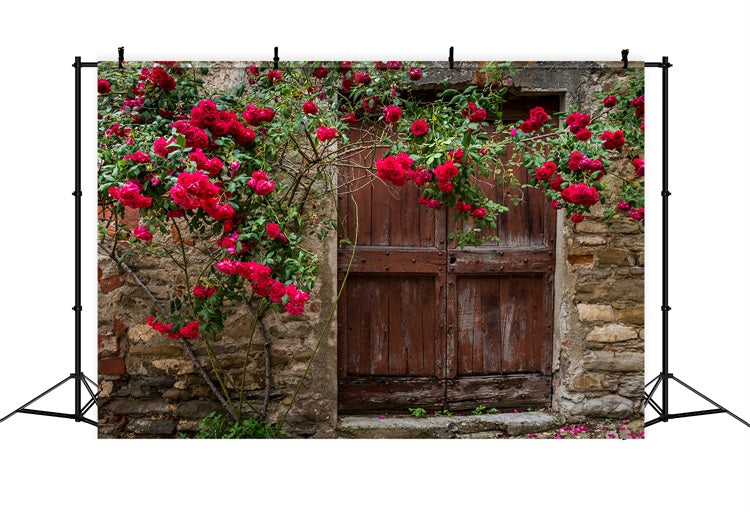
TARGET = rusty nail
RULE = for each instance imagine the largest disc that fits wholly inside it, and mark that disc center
(387, 267)
(501, 267)
(363, 260)
(526, 260)
(502, 253)
(387, 253)
(413, 260)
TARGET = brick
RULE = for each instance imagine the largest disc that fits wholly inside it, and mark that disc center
(581, 259)
(107, 344)
(112, 366)
(118, 327)
(110, 283)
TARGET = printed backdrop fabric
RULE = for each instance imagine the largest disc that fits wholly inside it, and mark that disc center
(371, 249)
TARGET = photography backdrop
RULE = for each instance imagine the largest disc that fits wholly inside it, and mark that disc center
(323, 246)
(711, 473)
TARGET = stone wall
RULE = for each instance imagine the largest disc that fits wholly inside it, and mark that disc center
(149, 387)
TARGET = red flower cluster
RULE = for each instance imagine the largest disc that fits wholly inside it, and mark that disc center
(193, 190)
(420, 175)
(264, 285)
(273, 231)
(580, 193)
(392, 113)
(324, 133)
(138, 158)
(255, 116)
(546, 171)
(580, 162)
(320, 72)
(130, 195)
(445, 173)
(639, 165)
(229, 242)
(117, 130)
(419, 127)
(310, 108)
(394, 168)
(190, 330)
(613, 140)
(260, 183)
(349, 118)
(479, 213)
(274, 76)
(415, 73)
(162, 79)
(363, 79)
(637, 213)
(220, 122)
(160, 146)
(194, 137)
(143, 233)
(204, 292)
(457, 156)
(370, 103)
(103, 86)
(429, 203)
(639, 105)
(537, 118)
(212, 166)
(609, 101)
(576, 217)
(475, 115)
(577, 123)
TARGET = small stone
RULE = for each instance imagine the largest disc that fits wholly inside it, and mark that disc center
(595, 313)
(108, 345)
(174, 366)
(608, 406)
(617, 257)
(614, 361)
(176, 395)
(151, 427)
(612, 333)
(197, 409)
(143, 334)
(588, 226)
(135, 407)
(632, 315)
(592, 382)
(631, 386)
(591, 240)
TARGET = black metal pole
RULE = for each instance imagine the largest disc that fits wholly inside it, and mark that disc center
(665, 237)
(77, 193)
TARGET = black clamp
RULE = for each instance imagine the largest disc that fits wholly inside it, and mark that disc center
(275, 57)
(77, 308)
(666, 193)
(666, 308)
(120, 56)
(450, 58)
(77, 193)
(625, 58)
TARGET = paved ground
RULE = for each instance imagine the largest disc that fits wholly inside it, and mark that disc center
(530, 424)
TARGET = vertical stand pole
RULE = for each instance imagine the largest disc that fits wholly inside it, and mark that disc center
(665, 239)
(77, 193)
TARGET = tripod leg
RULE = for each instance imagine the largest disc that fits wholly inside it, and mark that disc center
(704, 397)
(93, 395)
(66, 379)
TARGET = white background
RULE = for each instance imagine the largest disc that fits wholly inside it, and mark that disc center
(689, 464)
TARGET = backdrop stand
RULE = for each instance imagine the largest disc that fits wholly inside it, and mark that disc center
(665, 376)
(78, 376)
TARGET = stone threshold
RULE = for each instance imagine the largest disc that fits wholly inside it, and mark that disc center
(447, 427)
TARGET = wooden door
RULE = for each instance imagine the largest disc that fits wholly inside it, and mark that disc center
(423, 323)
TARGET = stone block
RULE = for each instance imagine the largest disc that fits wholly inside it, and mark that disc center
(590, 226)
(197, 409)
(593, 381)
(634, 315)
(616, 257)
(148, 427)
(107, 344)
(138, 407)
(112, 366)
(595, 313)
(591, 240)
(604, 360)
(612, 333)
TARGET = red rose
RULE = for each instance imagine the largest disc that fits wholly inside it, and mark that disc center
(392, 113)
(310, 108)
(162, 79)
(546, 171)
(479, 213)
(346, 83)
(526, 127)
(639, 165)
(245, 137)
(429, 203)
(446, 171)
(445, 186)
(637, 214)
(274, 76)
(345, 66)
(583, 134)
(639, 105)
(419, 127)
(273, 230)
(320, 72)
(415, 73)
(204, 292)
(190, 330)
(580, 193)
(363, 79)
(349, 118)
(471, 107)
(138, 157)
(556, 183)
(393, 64)
(264, 187)
(478, 116)
(143, 233)
(574, 162)
(380, 65)
(613, 140)
(577, 121)
(609, 101)
(103, 86)
(556, 205)
(624, 206)
(537, 117)
(576, 217)
(324, 133)
(160, 146)
(463, 207)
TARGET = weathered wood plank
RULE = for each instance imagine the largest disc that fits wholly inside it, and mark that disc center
(378, 328)
(393, 260)
(517, 390)
(390, 394)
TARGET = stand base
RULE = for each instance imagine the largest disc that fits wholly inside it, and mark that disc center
(666, 416)
(78, 416)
